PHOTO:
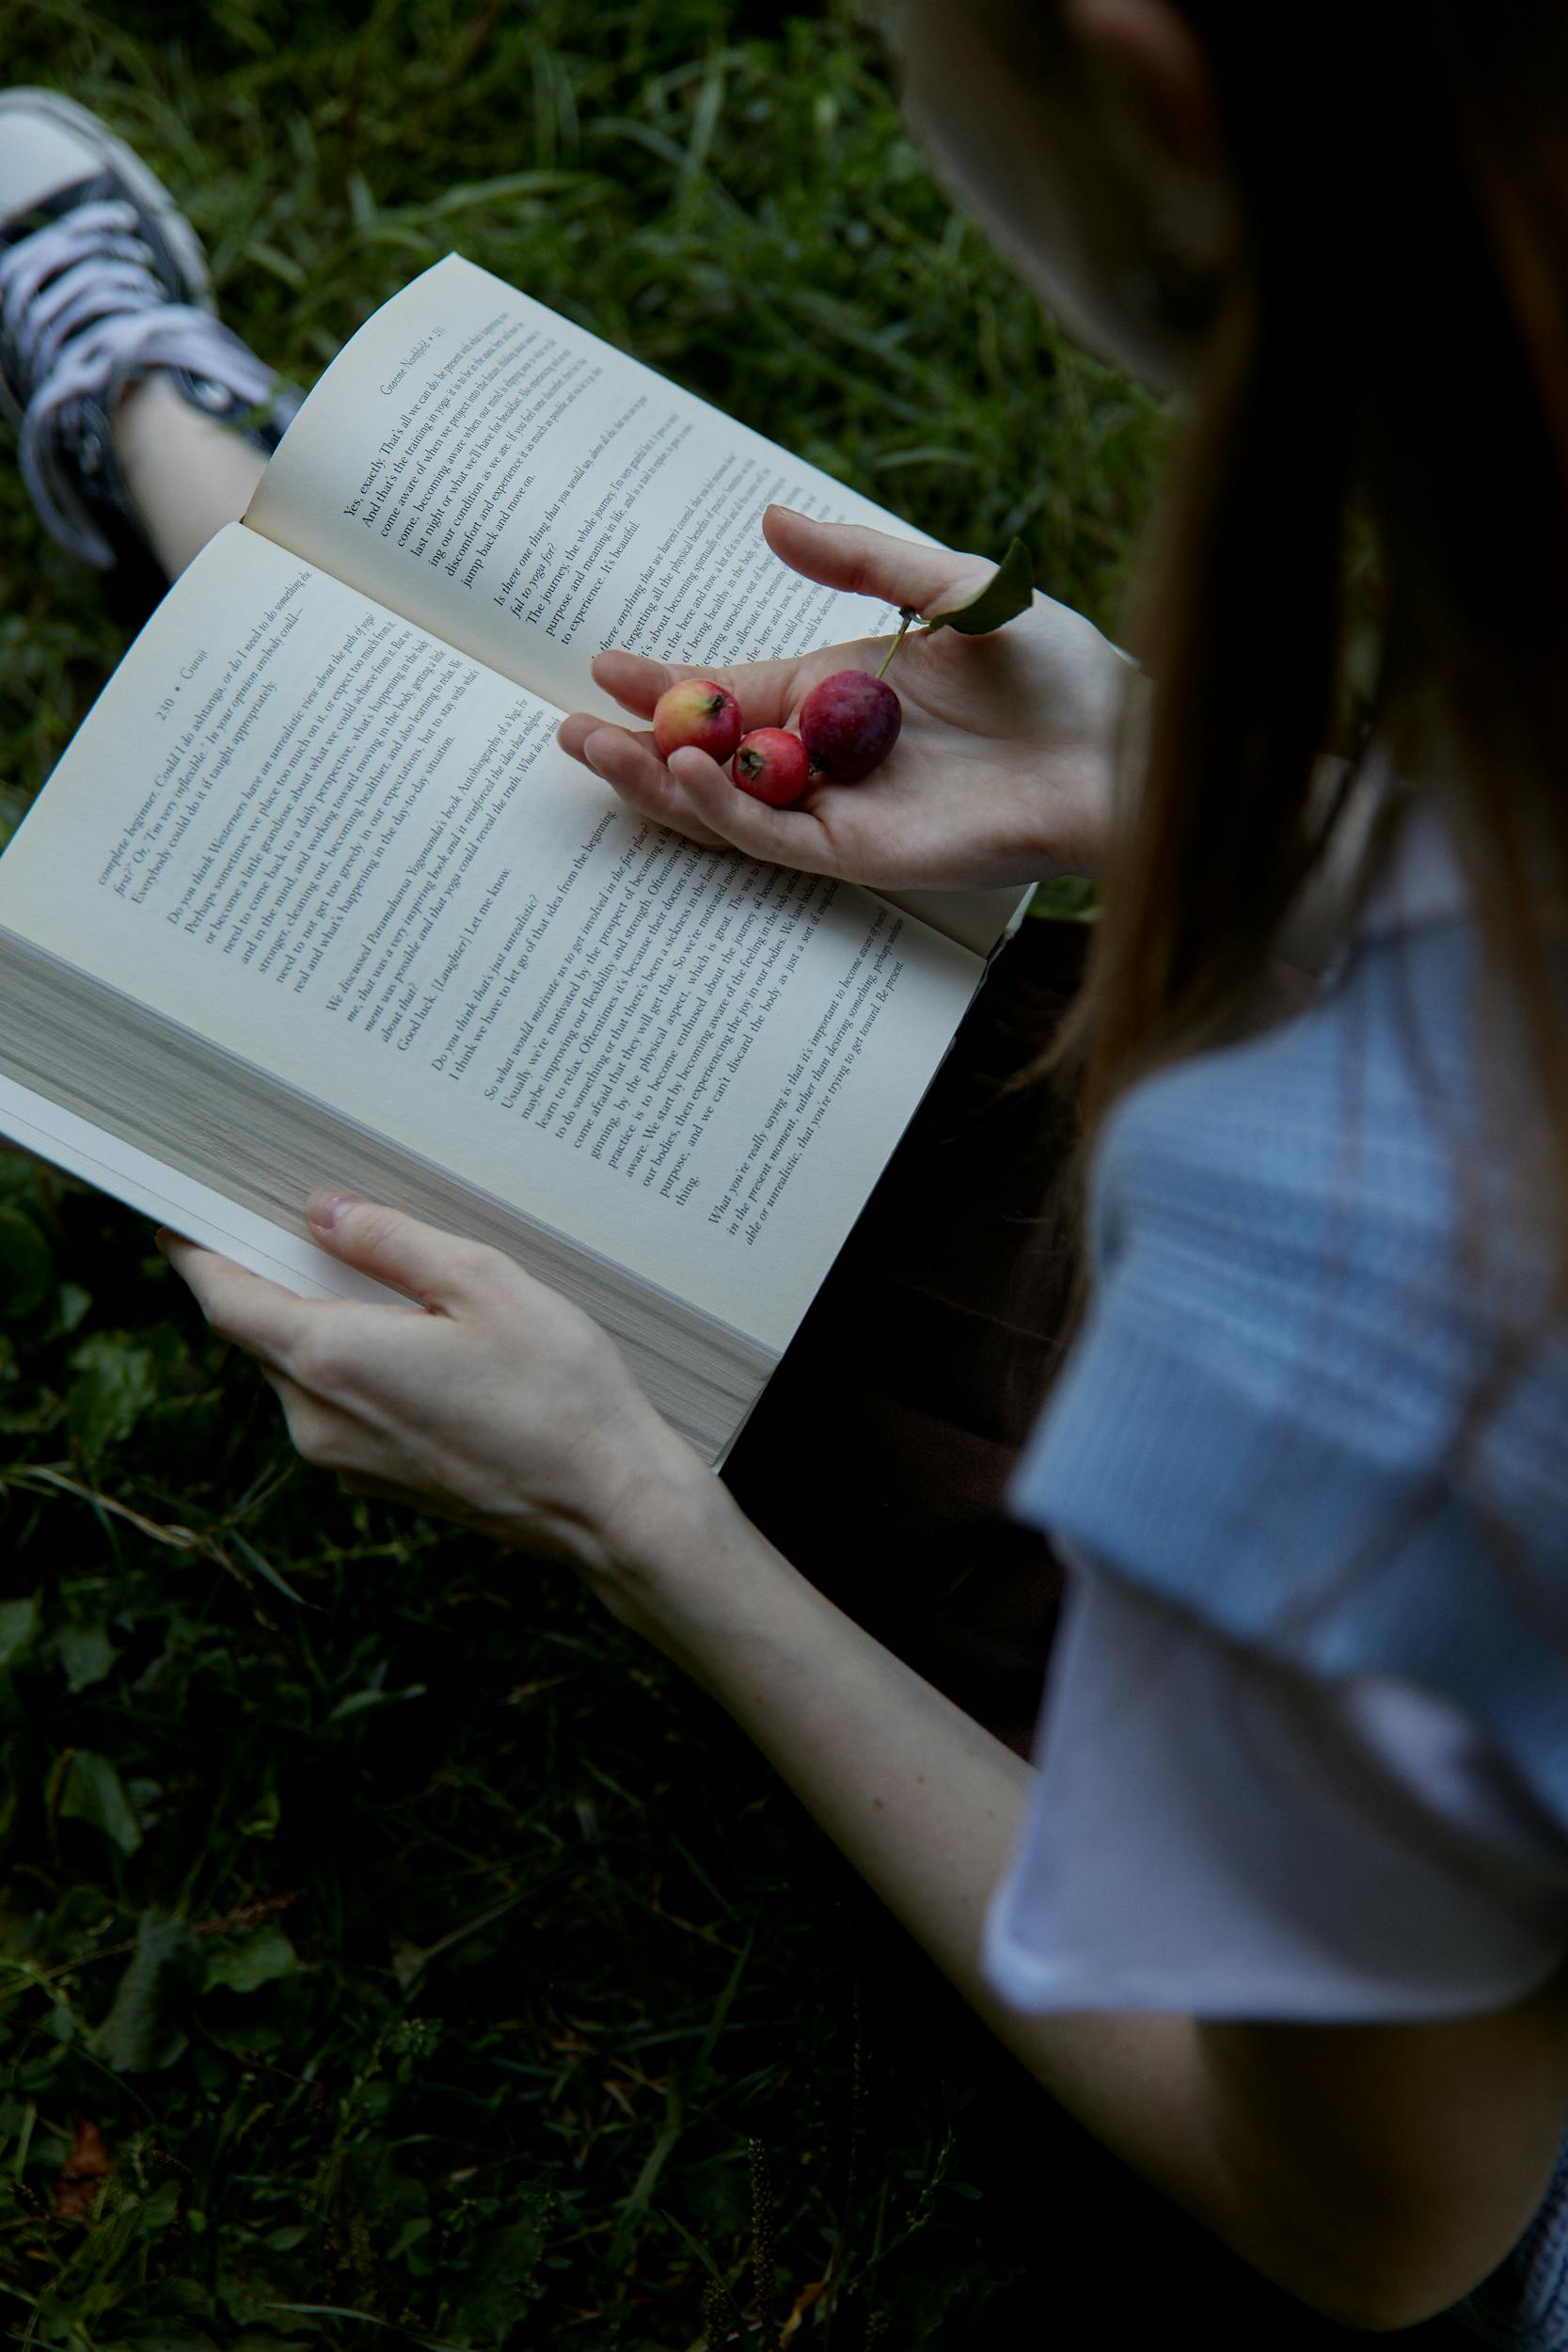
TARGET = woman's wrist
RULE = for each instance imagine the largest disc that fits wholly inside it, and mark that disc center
(1125, 702)
(667, 1530)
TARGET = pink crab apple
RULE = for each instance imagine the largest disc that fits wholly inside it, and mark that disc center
(849, 724)
(698, 710)
(771, 765)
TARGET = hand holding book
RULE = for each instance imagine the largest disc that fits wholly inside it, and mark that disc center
(502, 1405)
(1000, 773)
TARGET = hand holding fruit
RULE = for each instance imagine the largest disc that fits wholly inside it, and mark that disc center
(1001, 772)
(850, 722)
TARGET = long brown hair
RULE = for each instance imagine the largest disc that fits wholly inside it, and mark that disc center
(1393, 355)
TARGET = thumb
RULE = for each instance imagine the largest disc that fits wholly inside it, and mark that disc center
(435, 1269)
(870, 562)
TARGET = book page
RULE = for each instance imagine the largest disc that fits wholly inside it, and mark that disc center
(358, 860)
(513, 483)
(980, 920)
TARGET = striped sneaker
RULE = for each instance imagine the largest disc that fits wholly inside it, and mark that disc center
(102, 279)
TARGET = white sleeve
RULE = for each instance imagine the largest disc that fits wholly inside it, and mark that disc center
(1217, 1834)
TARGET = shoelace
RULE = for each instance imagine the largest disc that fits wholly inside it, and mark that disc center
(84, 313)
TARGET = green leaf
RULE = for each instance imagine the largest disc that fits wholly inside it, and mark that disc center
(249, 1552)
(175, 2337)
(361, 1702)
(141, 2032)
(92, 1792)
(26, 1265)
(1009, 591)
(341, 2311)
(263, 1816)
(244, 1962)
(495, 2292)
(116, 1381)
(1065, 898)
(19, 1622)
(71, 1303)
(87, 1654)
(11, 1768)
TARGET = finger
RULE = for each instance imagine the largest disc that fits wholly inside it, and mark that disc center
(696, 797)
(440, 1270)
(255, 1314)
(764, 690)
(784, 836)
(867, 563)
(631, 767)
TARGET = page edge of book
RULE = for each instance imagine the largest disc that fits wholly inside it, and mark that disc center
(30, 1122)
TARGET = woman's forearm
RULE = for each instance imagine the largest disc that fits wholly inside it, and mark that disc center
(923, 1800)
(924, 1803)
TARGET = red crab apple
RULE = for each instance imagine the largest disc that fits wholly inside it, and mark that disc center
(698, 710)
(849, 724)
(771, 765)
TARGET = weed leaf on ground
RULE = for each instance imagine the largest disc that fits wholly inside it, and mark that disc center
(91, 1791)
(142, 2033)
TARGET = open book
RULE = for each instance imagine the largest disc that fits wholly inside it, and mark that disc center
(315, 897)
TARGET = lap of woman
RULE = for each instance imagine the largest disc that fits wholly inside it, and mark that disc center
(876, 1457)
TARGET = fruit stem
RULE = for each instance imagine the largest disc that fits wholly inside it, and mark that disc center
(907, 617)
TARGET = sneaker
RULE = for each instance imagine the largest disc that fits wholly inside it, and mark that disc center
(102, 280)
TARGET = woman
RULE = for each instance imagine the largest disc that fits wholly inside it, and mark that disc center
(1280, 1912)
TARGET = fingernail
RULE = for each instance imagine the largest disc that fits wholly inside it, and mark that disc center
(793, 511)
(324, 1209)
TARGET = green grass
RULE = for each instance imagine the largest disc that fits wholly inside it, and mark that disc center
(430, 1957)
